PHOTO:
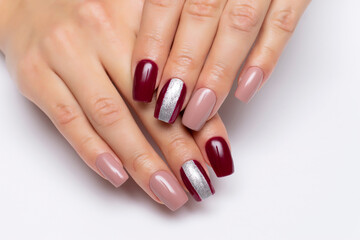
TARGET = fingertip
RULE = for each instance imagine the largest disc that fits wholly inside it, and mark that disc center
(249, 83)
(111, 169)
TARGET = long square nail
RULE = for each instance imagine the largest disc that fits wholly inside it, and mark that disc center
(145, 80)
(170, 101)
(196, 180)
(249, 84)
(168, 190)
(219, 155)
(111, 169)
(199, 109)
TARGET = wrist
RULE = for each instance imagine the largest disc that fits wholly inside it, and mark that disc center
(7, 9)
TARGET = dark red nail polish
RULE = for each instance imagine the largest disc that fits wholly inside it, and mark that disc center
(145, 80)
(170, 101)
(196, 180)
(219, 156)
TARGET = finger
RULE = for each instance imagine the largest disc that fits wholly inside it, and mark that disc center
(213, 142)
(238, 28)
(51, 95)
(194, 36)
(279, 25)
(110, 117)
(176, 144)
(158, 25)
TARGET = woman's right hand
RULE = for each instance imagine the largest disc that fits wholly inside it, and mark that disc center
(72, 59)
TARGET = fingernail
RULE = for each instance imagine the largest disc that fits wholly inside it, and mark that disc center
(111, 169)
(145, 80)
(249, 84)
(168, 190)
(170, 101)
(219, 156)
(196, 180)
(199, 109)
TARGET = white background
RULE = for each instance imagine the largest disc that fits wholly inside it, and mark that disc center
(295, 146)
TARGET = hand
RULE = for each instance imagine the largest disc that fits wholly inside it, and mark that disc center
(71, 58)
(198, 47)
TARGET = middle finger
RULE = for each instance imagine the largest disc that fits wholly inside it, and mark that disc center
(197, 28)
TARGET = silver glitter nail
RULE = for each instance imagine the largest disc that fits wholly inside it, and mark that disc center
(170, 99)
(197, 179)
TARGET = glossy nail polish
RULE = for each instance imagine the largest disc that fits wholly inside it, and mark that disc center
(168, 190)
(170, 101)
(219, 155)
(145, 80)
(199, 109)
(249, 84)
(196, 180)
(111, 169)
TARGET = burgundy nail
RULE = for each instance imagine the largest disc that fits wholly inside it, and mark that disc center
(111, 169)
(170, 101)
(219, 156)
(168, 190)
(196, 180)
(145, 80)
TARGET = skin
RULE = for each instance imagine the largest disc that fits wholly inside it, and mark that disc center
(205, 42)
(72, 58)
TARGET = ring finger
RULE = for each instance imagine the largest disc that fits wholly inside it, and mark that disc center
(238, 28)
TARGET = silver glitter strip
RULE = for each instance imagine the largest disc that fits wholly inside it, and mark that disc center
(196, 179)
(170, 99)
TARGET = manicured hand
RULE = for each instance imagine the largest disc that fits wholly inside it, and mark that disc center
(192, 51)
(73, 60)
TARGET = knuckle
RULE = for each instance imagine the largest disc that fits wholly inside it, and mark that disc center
(269, 52)
(219, 72)
(243, 17)
(284, 20)
(85, 143)
(105, 111)
(184, 60)
(162, 3)
(154, 40)
(204, 8)
(141, 161)
(177, 142)
(94, 14)
(59, 37)
(65, 114)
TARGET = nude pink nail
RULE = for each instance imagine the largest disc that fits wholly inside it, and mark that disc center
(168, 190)
(249, 84)
(199, 109)
(111, 169)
